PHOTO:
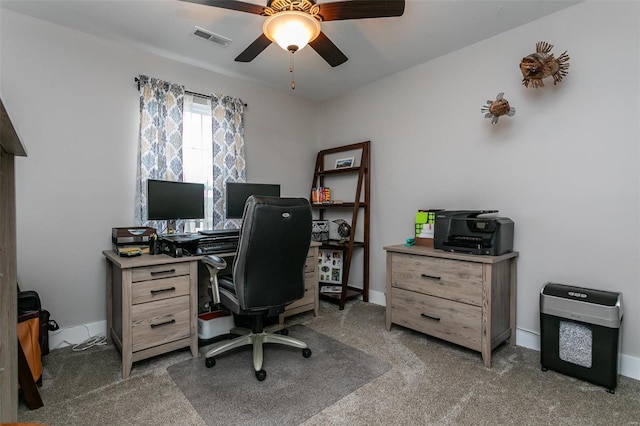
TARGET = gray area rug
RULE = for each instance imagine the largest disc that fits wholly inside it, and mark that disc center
(294, 390)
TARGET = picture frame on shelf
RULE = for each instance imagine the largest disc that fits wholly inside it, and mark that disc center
(343, 163)
(330, 266)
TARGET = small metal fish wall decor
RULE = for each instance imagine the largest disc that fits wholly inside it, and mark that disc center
(543, 64)
(500, 106)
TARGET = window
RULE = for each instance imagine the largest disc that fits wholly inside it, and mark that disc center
(197, 155)
(211, 151)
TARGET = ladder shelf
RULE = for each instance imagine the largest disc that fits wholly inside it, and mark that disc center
(359, 209)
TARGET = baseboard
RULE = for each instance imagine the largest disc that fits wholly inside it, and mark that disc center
(629, 365)
(377, 297)
(76, 334)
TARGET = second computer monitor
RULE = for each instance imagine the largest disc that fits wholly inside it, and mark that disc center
(237, 194)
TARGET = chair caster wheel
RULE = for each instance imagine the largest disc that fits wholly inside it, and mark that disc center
(306, 352)
(261, 375)
(543, 368)
(284, 332)
(210, 362)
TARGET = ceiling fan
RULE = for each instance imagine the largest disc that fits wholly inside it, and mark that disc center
(295, 23)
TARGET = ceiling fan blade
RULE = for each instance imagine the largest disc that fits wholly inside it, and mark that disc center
(360, 9)
(328, 50)
(231, 4)
(254, 49)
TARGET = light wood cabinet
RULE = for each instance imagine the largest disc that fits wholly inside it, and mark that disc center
(151, 305)
(465, 299)
(310, 300)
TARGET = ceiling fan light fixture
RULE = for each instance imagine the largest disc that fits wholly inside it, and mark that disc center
(291, 29)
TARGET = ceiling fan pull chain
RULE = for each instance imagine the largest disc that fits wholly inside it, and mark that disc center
(291, 64)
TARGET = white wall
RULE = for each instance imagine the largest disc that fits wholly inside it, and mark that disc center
(564, 168)
(74, 101)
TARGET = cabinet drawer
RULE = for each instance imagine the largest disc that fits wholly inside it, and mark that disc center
(308, 291)
(146, 273)
(449, 279)
(455, 322)
(159, 322)
(310, 264)
(165, 288)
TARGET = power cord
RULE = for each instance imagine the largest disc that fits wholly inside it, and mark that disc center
(86, 344)
(90, 342)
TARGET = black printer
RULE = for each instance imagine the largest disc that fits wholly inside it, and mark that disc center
(473, 231)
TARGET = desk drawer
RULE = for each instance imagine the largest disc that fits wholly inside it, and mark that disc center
(159, 322)
(311, 264)
(445, 278)
(165, 288)
(308, 297)
(147, 273)
(455, 322)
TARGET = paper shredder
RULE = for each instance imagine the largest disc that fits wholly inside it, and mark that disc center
(580, 333)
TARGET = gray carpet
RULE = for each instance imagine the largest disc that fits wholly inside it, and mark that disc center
(431, 382)
(295, 388)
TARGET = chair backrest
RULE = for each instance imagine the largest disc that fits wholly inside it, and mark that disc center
(268, 270)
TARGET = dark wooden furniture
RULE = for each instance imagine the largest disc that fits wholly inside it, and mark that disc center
(358, 207)
(10, 147)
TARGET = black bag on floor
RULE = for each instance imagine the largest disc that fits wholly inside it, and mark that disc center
(29, 301)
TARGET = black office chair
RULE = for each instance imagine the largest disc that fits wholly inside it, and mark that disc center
(268, 274)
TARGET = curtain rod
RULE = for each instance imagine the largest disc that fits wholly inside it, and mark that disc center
(137, 80)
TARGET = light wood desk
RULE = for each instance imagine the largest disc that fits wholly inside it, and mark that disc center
(311, 291)
(152, 303)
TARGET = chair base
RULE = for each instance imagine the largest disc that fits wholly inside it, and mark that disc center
(248, 337)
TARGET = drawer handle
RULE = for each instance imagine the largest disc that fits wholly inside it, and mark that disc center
(162, 290)
(430, 317)
(163, 323)
(429, 276)
(168, 271)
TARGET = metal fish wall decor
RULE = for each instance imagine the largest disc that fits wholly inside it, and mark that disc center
(543, 64)
(500, 106)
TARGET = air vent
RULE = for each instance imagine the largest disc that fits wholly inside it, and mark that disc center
(207, 35)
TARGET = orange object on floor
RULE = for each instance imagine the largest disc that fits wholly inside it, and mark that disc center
(28, 334)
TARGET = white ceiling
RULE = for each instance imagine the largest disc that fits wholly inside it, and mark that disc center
(375, 47)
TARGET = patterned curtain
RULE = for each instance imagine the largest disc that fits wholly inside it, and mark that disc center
(228, 153)
(160, 150)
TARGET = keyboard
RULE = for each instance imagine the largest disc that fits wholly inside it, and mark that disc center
(215, 247)
(220, 232)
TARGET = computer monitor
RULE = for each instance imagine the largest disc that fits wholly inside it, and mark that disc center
(174, 200)
(237, 194)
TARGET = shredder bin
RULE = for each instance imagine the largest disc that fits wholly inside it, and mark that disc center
(580, 333)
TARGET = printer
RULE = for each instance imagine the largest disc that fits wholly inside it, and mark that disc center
(473, 231)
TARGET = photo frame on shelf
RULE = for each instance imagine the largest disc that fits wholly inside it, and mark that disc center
(343, 163)
(330, 266)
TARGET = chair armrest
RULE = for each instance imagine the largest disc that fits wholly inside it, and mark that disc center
(214, 261)
(214, 264)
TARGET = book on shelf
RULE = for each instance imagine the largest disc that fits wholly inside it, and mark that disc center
(331, 289)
